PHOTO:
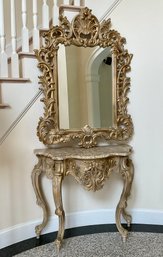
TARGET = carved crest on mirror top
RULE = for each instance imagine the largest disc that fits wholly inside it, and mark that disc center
(84, 31)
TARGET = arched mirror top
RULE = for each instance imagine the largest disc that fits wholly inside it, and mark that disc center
(99, 119)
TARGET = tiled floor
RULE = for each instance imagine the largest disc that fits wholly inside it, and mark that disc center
(103, 245)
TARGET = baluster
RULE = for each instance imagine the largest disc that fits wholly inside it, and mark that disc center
(25, 34)
(35, 29)
(0, 95)
(3, 55)
(71, 2)
(55, 13)
(77, 3)
(66, 2)
(45, 15)
(14, 55)
(82, 2)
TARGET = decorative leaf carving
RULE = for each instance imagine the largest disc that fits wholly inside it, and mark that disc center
(92, 174)
(84, 31)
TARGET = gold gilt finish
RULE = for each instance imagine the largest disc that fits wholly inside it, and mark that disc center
(90, 167)
(91, 174)
(84, 31)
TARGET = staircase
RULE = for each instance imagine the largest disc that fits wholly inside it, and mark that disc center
(21, 24)
(20, 109)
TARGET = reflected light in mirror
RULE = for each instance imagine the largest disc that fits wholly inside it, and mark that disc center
(85, 87)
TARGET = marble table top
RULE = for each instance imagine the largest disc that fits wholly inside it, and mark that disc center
(63, 153)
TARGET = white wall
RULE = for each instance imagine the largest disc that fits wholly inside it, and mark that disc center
(141, 23)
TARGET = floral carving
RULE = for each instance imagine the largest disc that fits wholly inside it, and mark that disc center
(86, 31)
(91, 173)
(49, 167)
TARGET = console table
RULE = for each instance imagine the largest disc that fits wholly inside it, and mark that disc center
(90, 167)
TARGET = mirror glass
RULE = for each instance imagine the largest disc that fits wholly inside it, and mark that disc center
(84, 82)
(85, 87)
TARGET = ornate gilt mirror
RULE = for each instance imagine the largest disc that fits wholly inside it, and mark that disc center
(84, 79)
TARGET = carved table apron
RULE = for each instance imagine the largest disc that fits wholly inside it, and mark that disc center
(90, 167)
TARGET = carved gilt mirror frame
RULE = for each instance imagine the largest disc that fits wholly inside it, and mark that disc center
(84, 31)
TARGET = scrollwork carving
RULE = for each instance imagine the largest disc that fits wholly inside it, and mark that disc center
(84, 31)
(91, 174)
(86, 28)
(46, 165)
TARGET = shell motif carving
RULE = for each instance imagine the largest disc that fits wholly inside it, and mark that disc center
(91, 174)
(48, 166)
(85, 31)
(86, 27)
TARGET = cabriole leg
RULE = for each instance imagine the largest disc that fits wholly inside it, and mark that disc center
(57, 193)
(36, 176)
(127, 172)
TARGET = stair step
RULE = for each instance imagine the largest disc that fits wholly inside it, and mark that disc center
(22, 55)
(4, 106)
(14, 80)
(43, 30)
(72, 8)
(25, 54)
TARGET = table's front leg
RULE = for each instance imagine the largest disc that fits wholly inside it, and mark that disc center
(36, 176)
(127, 172)
(57, 193)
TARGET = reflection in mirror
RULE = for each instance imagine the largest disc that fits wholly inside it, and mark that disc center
(85, 87)
(74, 110)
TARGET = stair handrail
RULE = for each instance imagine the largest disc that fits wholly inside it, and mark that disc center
(20, 116)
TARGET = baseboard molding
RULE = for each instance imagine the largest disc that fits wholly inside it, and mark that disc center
(25, 231)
